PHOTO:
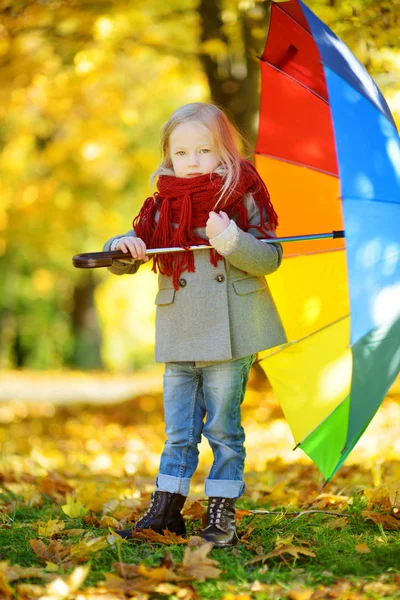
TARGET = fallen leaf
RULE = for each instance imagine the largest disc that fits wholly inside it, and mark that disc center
(168, 539)
(283, 546)
(86, 548)
(300, 593)
(197, 565)
(50, 528)
(339, 523)
(15, 572)
(55, 552)
(194, 511)
(73, 509)
(107, 521)
(387, 521)
(362, 549)
(157, 573)
(4, 587)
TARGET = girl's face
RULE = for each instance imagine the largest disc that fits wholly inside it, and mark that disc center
(192, 151)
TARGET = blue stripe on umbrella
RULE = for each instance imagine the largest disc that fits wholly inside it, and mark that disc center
(368, 146)
(337, 56)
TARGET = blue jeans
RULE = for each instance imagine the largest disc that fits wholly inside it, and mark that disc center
(204, 400)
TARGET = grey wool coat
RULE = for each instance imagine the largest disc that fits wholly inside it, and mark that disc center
(218, 313)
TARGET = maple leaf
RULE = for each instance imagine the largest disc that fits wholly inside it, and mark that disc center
(387, 521)
(85, 548)
(55, 552)
(73, 508)
(283, 546)
(50, 528)
(194, 511)
(168, 538)
(107, 521)
(196, 564)
(385, 496)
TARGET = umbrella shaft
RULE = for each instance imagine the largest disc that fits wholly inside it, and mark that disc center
(296, 238)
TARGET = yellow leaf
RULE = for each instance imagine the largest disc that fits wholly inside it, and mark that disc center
(158, 573)
(73, 509)
(50, 528)
(4, 587)
(107, 521)
(52, 567)
(87, 547)
(362, 549)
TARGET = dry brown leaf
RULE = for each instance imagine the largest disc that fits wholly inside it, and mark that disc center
(387, 521)
(283, 546)
(127, 570)
(54, 485)
(196, 564)
(385, 496)
(194, 511)
(339, 523)
(330, 501)
(15, 572)
(168, 539)
(91, 520)
(55, 552)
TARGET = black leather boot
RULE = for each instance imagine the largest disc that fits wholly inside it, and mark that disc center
(220, 524)
(164, 512)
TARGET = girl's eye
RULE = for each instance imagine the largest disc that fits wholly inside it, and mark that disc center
(180, 152)
(205, 150)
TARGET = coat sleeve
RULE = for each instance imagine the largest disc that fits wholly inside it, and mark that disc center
(243, 250)
(118, 267)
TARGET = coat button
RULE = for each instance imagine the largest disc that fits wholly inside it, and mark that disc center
(220, 278)
(182, 282)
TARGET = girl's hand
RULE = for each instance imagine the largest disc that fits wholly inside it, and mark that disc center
(217, 223)
(133, 246)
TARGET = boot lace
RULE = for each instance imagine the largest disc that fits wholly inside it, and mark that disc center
(217, 513)
(151, 511)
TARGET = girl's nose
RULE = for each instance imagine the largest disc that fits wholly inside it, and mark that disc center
(193, 161)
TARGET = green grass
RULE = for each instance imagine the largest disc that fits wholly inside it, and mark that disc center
(335, 550)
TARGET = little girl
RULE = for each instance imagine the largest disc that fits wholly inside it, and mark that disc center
(214, 308)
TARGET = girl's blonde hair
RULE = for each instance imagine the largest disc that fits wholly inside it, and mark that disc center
(224, 135)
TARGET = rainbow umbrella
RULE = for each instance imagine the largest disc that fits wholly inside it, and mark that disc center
(328, 150)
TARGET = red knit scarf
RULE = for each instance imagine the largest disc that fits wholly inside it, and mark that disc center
(186, 202)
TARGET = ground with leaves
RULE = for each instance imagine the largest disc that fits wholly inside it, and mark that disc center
(73, 473)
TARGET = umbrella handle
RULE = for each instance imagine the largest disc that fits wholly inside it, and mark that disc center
(94, 260)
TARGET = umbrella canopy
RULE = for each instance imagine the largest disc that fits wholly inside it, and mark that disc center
(329, 152)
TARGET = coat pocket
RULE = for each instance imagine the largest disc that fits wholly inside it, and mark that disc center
(165, 296)
(248, 285)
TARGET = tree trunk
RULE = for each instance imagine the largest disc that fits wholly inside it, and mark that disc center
(234, 79)
(85, 325)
